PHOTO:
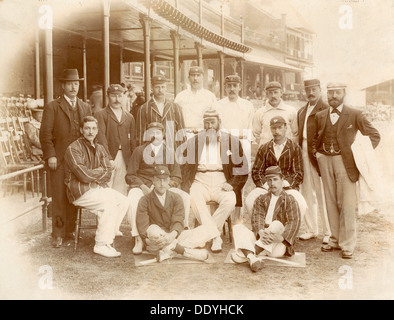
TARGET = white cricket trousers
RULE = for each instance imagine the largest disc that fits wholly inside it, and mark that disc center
(135, 194)
(245, 239)
(110, 206)
(205, 188)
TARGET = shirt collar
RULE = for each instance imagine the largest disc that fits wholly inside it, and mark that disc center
(157, 103)
(69, 100)
(280, 105)
(339, 108)
(279, 145)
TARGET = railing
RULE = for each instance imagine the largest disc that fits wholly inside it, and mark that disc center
(210, 18)
(303, 55)
(44, 201)
(267, 40)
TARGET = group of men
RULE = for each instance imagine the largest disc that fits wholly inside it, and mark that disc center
(163, 167)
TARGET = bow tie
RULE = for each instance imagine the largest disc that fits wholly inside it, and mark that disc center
(336, 111)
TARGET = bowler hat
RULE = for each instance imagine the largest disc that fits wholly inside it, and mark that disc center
(161, 172)
(232, 79)
(115, 88)
(273, 85)
(196, 69)
(272, 171)
(159, 79)
(311, 83)
(277, 120)
(70, 75)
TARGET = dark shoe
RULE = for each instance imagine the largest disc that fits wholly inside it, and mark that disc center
(329, 248)
(255, 263)
(58, 242)
(347, 255)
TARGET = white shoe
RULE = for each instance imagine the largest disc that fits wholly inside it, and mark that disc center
(326, 239)
(118, 233)
(106, 251)
(217, 244)
(238, 257)
(308, 236)
(196, 254)
(138, 245)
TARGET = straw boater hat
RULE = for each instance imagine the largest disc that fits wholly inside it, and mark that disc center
(335, 86)
(70, 75)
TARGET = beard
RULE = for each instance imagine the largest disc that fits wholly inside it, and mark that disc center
(335, 102)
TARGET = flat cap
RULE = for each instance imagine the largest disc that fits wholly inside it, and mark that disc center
(277, 120)
(210, 113)
(232, 79)
(196, 69)
(155, 125)
(115, 88)
(159, 79)
(311, 83)
(272, 171)
(335, 86)
(161, 172)
(273, 85)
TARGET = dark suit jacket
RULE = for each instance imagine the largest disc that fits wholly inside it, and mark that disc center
(235, 164)
(286, 211)
(311, 127)
(169, 218)
(350, 121)
(56, 127)
(113, 133)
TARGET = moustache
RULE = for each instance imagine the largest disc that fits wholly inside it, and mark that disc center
(311, 96)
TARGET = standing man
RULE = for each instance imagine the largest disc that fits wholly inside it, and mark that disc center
(159, 109)
(216, 170)
(60, 127)
(336, 129)
(117, 135)
(311, 188)
(274, 107)
(236, 115)
(87, 172)
(194, 101)
(284, 153)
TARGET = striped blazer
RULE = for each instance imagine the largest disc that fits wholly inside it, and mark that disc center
(150, 113)
(286, 211)
(290, 162)
(87, 167)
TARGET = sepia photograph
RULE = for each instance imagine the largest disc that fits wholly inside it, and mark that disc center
(195, 155)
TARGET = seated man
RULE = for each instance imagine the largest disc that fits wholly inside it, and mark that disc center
(160, 217)
(276, 221)
(140, 172)
(284, 153)
(214, 169)
(87, 173)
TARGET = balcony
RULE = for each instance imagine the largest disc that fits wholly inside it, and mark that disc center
(299, 55)
(269, 40)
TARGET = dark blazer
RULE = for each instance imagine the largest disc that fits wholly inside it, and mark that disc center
(311, 127)
(56, 127)
(150, 211)
(113, 133)
(350, 121)
(235, 164)
(139, 172)
(286, 211)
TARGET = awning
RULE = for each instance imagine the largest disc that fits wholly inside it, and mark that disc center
(264, 58)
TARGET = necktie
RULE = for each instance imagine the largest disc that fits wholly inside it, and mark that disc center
(336, 111)
(73, 104)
